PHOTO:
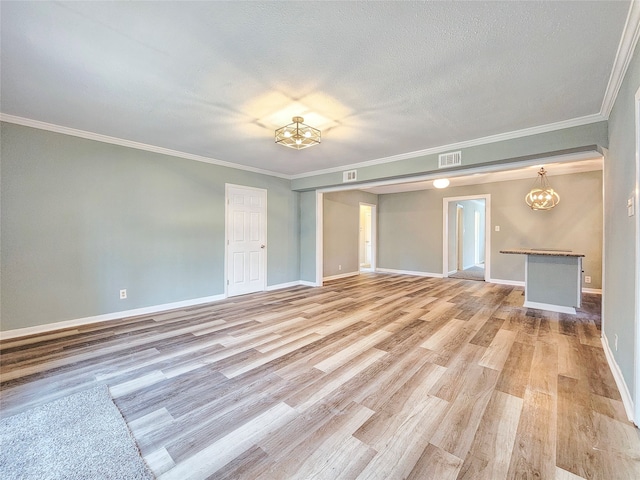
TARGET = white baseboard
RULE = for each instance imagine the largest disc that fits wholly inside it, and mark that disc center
(341, 275)
(549, 307)
(452, 272)
(49, 327)
(513, 283)
(308, 284)
(597, 291)
(516, 283)
(627, 400)
(280, 286)
(21, 332)
(409, 272)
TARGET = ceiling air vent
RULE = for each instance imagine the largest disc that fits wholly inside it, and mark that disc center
(350, 176)
(451, 159)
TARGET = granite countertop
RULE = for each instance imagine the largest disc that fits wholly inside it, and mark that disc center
(549, 253)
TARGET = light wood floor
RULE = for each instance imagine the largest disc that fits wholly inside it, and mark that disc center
(373, 377)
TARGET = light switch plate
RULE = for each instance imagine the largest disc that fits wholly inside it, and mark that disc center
(631, 207)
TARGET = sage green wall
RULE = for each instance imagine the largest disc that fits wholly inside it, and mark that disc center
(588, 137)
(620, 182)
(410, 231)
(341, 230)
(410, 225)
(82, 219)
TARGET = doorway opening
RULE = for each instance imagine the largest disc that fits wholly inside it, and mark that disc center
(466, 239)
(366, 242)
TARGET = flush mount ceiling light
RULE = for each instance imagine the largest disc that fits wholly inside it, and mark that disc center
(441, 183)
(298, 135)
(542, 196)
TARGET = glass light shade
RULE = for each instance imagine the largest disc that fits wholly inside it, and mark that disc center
(441, 183)
(298, 135)
(542, 196)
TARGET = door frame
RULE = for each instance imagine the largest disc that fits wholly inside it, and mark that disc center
(487, 232)
(636, 394)
(459, 238)
(227, 187)
(319, 237)
(476, 237)
(374, 236)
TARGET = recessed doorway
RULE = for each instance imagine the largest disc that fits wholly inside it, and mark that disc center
(466, 239)
(366, 245)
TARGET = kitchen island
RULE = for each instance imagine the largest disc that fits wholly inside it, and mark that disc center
(553, 279)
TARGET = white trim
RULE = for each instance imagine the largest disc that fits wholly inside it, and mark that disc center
(627, 401)
(636, 356)
(341, 275)
(21, 332)
(513, 283)
(550, 307)
(280, 286)
(603, 308)
(26, 122)
(306, 283)
(487, 231)
(550, 127)
(597, 291)
(627, 45)
(409, 272)
(319, 237)
(199, 158)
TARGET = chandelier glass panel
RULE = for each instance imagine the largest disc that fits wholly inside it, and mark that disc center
(542, 196)
(298, 135)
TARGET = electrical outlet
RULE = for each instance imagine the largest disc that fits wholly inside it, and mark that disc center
(123, 294)
(497, 228)
(587, 279)
(615, 342)
(339, 267)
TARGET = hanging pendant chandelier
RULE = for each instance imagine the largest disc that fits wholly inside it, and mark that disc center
(542, 196)
(298, 135)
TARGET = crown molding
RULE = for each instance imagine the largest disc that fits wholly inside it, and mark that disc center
(626, 47)
(575, 122)
(27, 122)
(550, 127)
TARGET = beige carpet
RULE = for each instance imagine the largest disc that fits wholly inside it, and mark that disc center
(471, 273)
(82, 436)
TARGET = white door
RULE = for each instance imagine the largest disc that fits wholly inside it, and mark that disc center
(246, 239)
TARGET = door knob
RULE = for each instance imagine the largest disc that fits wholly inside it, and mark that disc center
(262, 246)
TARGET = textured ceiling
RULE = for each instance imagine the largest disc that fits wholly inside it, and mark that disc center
(379, 78)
